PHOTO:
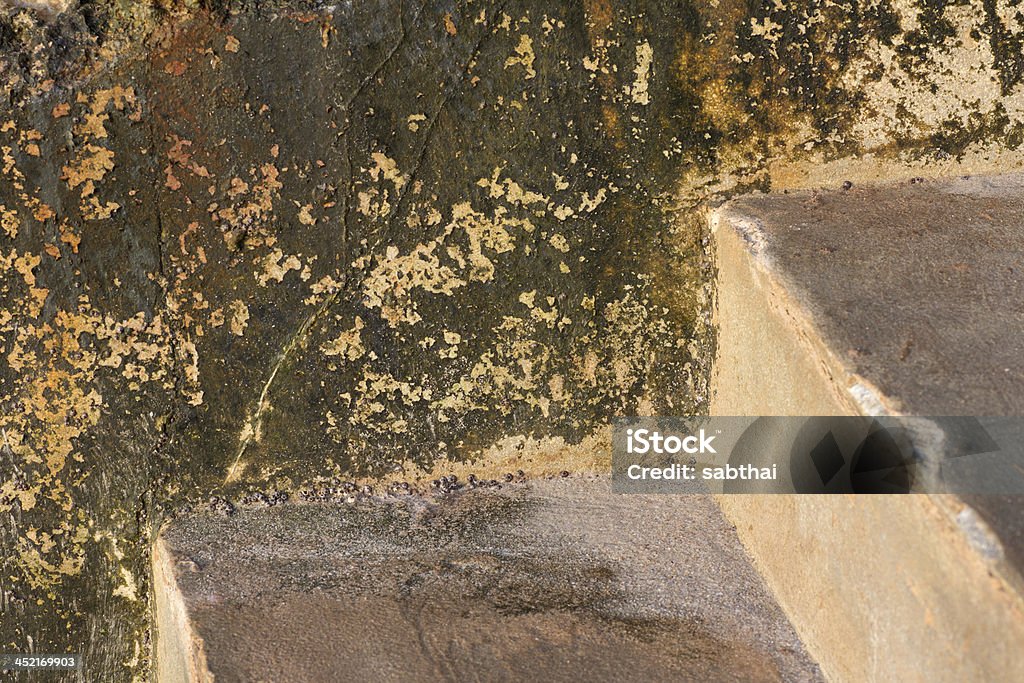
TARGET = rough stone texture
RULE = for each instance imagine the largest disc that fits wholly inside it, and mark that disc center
(245, 244)
(902, 299)
(540, 580)
(225, 269)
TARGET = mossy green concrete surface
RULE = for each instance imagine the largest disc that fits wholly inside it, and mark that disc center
(246, 245)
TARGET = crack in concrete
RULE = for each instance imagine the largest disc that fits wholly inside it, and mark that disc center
(455, 89)
(251, 429)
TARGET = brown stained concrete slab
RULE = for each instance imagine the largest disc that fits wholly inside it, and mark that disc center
(548, 580)
(906, 300)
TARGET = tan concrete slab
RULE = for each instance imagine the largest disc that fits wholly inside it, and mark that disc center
(905, 299)
(551, 580)
(915, 290)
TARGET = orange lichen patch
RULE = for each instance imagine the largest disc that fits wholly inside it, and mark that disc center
(96, 116)
(600, 15)
(171, 182)
(181, 157)
(69, 237)
(449, 25)
(94, 210)
(238, 186)
(231, 44)
(326, 31)
(9, 221)
(29, 135)
(42, 212)
(175, 68)
(91, 164)
(30, 202)
(61, 110)
(190, 230)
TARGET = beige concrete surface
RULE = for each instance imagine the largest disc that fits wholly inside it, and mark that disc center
(551, 580)
(180, 654)
(849, 303)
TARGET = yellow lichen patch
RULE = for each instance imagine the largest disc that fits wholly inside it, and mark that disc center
(391, 283)
(375, 200)
(559, 242)
(638, 92)
(510, 190)
(253, 207)
(306, 215)
(385, 168)
(275, 265)
(413, 121)
(57, 364)
(319, 290)
(484, 233)
(378, 393)
(507, 375)
(41, 573)
(536, 457)
(91, 164)
(524, 56)
(444, 264)
(548, 317)
(9, 221)
(348, 344)
(588, 203)
(239, 317)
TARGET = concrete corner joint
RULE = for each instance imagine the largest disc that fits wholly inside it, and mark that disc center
(891, 300)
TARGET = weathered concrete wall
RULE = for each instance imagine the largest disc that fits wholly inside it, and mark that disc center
(247, 246)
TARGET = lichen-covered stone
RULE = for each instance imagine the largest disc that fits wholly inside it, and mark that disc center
(254, 244)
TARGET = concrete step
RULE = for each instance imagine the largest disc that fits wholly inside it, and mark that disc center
(546, 580)
(891, 300)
